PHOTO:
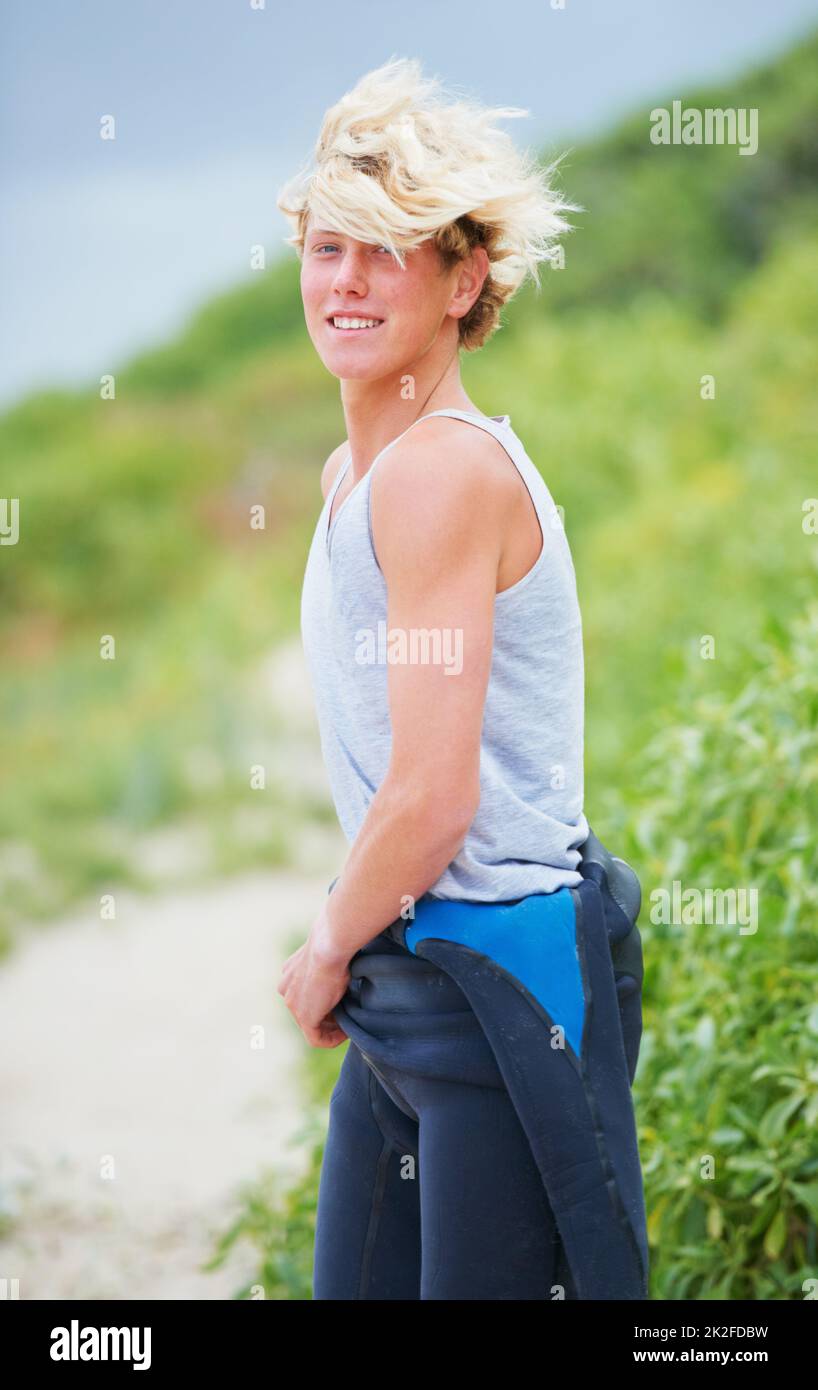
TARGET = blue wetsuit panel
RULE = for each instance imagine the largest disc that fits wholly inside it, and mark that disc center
(533, 939)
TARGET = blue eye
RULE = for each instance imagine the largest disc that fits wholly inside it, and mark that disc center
(331, 246)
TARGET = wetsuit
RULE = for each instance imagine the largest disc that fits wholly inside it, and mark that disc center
(482, 1140)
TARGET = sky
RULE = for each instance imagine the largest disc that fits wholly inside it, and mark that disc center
(109, 246)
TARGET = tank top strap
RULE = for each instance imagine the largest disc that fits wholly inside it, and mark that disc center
(500, 427)
(495, 424)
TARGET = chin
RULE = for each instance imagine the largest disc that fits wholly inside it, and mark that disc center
(379, 372)
(359, 366)
(352, 371)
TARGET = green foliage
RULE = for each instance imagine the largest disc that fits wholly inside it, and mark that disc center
(727, 797)
(278, 1222)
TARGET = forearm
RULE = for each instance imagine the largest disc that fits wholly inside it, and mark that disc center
(401, 849)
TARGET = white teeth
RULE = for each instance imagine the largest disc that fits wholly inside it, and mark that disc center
(356, 323)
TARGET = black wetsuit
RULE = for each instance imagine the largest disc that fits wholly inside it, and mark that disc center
(482, 1139)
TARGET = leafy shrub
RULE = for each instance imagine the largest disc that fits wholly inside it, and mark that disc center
(727, 1086)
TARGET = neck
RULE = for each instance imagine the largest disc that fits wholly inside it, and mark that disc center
(376, 412)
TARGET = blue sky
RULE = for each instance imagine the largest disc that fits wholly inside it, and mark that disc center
(108, 246)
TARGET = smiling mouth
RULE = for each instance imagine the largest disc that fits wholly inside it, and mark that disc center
(353, 323)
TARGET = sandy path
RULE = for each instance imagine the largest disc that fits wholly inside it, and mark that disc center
(133, 1093)
(132, 1039)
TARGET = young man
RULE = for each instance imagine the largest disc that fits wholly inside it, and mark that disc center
(442, 629)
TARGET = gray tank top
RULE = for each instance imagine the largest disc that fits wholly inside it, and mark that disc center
(530, 823)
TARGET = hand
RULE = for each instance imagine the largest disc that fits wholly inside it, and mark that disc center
(311, 985)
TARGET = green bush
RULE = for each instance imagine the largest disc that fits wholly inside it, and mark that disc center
(727, 1087)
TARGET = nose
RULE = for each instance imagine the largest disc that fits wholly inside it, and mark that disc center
(349, 276)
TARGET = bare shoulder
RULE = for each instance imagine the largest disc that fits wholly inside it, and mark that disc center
(330, 470)
(447, 469)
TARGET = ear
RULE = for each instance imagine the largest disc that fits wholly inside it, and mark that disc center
(471, 276)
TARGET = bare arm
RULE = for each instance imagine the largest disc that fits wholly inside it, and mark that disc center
(438, 518)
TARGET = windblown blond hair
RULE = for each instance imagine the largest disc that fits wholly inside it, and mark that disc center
(396, 163)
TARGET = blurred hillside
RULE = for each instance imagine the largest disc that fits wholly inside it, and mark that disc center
(684, 513)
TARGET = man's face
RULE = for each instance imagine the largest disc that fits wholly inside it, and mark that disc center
(342, 278)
